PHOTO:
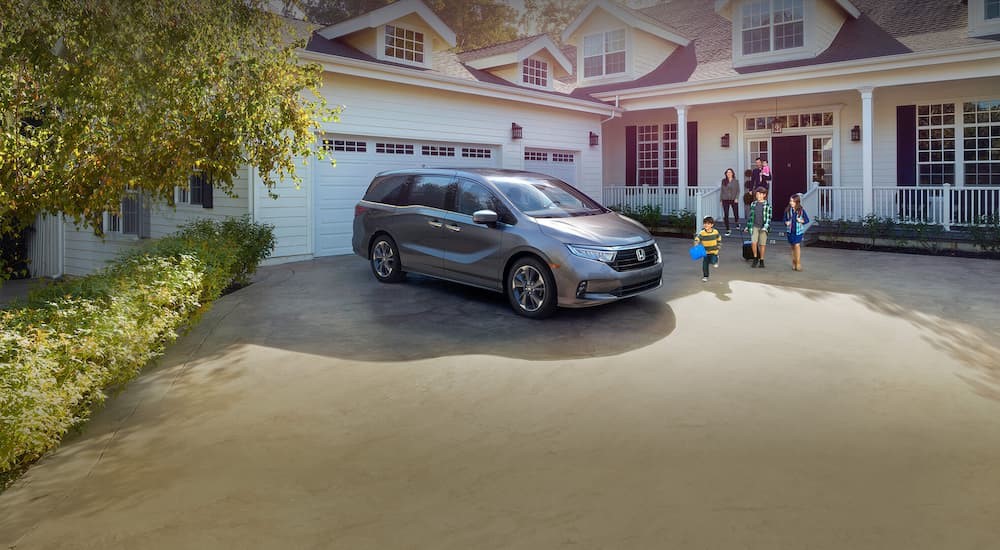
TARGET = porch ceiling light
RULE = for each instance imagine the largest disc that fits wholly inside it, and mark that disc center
(856, 133)
(516, 132)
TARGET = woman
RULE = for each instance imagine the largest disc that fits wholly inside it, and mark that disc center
(796, 220)
(729, 195)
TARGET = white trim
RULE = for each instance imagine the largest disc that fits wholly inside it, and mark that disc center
(723, 7)
(528, 50)
(682, 153)
(625, 17)
(867, 148)
(388, 14)
(426, 53)
(402, 75)
(851, 68)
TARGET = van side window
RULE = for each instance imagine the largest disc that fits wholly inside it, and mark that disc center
(388, 190)
(430, 191)
(472, 196)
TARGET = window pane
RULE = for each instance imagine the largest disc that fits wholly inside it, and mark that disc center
(992, 9)
(593, 45)
(615, 63)
(592, 66)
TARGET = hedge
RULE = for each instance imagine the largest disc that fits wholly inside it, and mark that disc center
(69, 344)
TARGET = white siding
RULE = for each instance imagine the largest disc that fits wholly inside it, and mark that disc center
(86, 252)
(828, 20)
(649, 52)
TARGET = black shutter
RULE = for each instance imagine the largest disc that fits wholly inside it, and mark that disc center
(906, 145)
(145, 223)
(631, 163)
(692, 139)
(207, 196)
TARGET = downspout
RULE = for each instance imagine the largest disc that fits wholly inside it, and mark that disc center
(612, 112)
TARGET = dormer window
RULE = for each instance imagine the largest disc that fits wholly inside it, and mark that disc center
(404, 44)
(604, 53)
(984, 17)
(772, 25)
(535, 72)
(992, 9)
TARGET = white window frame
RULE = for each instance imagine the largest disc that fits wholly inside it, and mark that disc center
(979, 25)
(771, 55)
(114, 223)
(535, 73)
(605, 52)
(936, 122)
(424, 43)
(827, 165)
(962, 126)
(656, 153)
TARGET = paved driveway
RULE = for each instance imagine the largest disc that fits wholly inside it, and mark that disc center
(853, 405)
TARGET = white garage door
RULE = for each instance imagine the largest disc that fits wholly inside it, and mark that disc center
(559, 164)
(340, 187)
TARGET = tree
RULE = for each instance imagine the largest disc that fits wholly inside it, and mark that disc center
(476, 23)
(550, 16)
(99, 96)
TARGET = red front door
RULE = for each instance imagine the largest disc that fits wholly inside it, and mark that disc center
(789, 173)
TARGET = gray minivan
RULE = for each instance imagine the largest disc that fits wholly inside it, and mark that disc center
(535, 238)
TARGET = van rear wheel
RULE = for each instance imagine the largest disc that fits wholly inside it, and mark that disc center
(531, 289)
(385, 260)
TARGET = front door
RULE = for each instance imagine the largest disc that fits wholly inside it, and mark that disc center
(789, 173)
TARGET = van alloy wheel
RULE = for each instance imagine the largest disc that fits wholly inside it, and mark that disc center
(531, 289)
(385, 261)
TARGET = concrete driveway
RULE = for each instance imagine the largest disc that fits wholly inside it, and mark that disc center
(852, 405)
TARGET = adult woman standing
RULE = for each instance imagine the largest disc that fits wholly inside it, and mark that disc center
(729, 194)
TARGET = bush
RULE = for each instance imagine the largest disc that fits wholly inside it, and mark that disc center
(681, 219)
(70, 343)
(986, 232)
(647, 215)
(876, 227)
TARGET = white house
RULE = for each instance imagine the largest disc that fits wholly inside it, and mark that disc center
(898, 102)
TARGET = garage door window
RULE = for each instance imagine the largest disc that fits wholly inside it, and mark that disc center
(536, 155)
(437, 151)
(394, 148)
(562, 157)
(344, 145)
(476, 153)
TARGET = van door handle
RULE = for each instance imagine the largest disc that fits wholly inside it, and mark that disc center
(454, 228)
(434, 223)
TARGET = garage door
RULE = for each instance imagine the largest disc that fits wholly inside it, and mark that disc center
(340, 187)
(559, 164)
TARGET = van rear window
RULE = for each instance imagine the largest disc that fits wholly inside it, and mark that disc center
(388, 190)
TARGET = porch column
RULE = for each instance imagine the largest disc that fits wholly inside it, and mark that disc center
(682, 155)
(867, 150)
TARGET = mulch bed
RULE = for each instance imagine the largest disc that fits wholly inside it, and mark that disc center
(906, 250)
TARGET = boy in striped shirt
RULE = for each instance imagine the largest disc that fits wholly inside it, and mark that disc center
(712, 241)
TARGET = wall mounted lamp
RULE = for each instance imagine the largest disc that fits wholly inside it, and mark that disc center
(594, 139)
(856, 133)
(724, 141)
(516, 132)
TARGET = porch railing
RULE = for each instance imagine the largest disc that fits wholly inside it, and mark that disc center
(940, 205)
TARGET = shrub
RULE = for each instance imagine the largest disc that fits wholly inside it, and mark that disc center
(647, 215)
(986, 232)
(876, 227)
(681, 219)
(62, 350)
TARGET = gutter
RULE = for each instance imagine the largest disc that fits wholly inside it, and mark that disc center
(401, 75)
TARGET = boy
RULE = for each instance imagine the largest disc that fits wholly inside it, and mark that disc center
(759, 221)
(712, 241)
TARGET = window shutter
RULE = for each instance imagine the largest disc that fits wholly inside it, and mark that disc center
(631, 164)
(692, 153)
(207, 198)
(129, 218)
(145, 223)
(906, 145)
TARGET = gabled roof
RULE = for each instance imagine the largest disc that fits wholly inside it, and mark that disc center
(723, 6)
(515, 51)
(631, 18)
(388, 14)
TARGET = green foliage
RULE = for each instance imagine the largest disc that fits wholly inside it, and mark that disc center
(926, 235)
(986, 232)
(680, 219)
(647, 215)
(100, 95)
(876, 227)
(62, 350)
(550, 16)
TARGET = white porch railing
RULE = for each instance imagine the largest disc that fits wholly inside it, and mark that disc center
(941, 205)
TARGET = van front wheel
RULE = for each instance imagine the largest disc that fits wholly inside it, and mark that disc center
(531, 289)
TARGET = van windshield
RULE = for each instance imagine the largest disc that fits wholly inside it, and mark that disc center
(540, 197)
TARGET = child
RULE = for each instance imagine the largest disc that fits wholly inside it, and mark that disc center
(759, 221)
(712, 241)
(796, 220)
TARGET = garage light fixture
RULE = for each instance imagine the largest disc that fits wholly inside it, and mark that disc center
(516, 132)
(724, 141)
(594, 139)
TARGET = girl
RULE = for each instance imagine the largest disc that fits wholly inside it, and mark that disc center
(729, 195)
(796, 220)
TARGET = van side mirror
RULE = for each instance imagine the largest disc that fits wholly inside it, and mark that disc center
(485, 217)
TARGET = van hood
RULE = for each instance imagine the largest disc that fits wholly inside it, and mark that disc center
(608, 229)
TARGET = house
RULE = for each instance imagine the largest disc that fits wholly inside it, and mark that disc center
(885, 107)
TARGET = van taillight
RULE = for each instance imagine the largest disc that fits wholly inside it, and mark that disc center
(359, 209)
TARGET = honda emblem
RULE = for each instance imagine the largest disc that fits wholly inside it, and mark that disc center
(640, 255)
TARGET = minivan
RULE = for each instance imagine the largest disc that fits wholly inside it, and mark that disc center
(534, 238)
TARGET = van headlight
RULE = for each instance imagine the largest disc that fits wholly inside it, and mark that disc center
(600, 254)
